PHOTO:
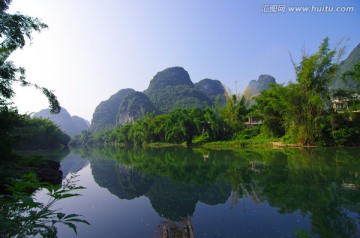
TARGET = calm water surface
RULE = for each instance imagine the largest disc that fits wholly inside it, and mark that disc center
(242, 193)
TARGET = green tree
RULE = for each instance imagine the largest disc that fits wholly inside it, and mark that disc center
(123, 136)
(159, 124)
(234, 114)
(345, 124)
(22, 216)
(39, 133)
(137, 134)
(14, 30)
(302, 111)
(87, 138)
(353, 76)
(213, 124)
(271, 107)
(180, 126)
(311, 103)
(10, 120)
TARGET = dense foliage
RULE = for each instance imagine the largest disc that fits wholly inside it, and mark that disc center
(15, 30)
(179, 96)
(180, 125)
(169, 89)
(22, 215)
(212, 89)
(302, 112)
(172, 88)
(38, 133)
(21, 132)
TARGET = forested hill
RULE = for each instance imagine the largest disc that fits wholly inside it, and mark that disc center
(134, 106)
(106, 112)
(71, 125)
(173, 88)
(212, 88)
(347, 65)
(169, 89)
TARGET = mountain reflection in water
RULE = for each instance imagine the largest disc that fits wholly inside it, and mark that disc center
(190, 185)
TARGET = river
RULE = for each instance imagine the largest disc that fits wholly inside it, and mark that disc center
(215, 193)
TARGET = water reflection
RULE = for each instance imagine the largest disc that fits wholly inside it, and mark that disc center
(123, 181)
(72, 163)
(171, 198)
(320, 183)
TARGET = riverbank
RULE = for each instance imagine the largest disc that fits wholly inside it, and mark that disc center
(45, 168)
(268, 143)
(254, 142)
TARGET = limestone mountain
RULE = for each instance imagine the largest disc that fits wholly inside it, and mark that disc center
(106, 112)
(256, 86)
(347, 65)
(80, 123)
(134, 106)
(169, 89)
(212, 89)
(71, 125)
(173, 88)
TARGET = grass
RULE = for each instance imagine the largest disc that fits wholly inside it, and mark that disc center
(254, 142)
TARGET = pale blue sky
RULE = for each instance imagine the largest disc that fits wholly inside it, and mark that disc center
(92, 48)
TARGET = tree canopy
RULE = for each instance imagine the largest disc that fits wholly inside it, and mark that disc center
(301, 112)
(15, 30)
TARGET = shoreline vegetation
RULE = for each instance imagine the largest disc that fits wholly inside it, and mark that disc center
(21, 173)
(300, 114)
(235, 144)
(305, 113)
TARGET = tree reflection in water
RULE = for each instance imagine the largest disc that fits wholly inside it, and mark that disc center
(323, 183)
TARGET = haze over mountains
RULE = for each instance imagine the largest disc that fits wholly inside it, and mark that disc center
(71, 125)
(256, 86)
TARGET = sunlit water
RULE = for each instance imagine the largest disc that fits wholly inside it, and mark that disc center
(244, 193)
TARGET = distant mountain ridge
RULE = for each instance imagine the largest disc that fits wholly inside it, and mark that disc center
(169, 89)
(71, 125)
(256, 86)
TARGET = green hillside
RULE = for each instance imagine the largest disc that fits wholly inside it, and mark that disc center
(345, 66)
(172, 88)
(212, 89)
(106, 112)
(134, 106)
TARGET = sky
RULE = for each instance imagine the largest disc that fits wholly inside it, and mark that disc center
(92, 49)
